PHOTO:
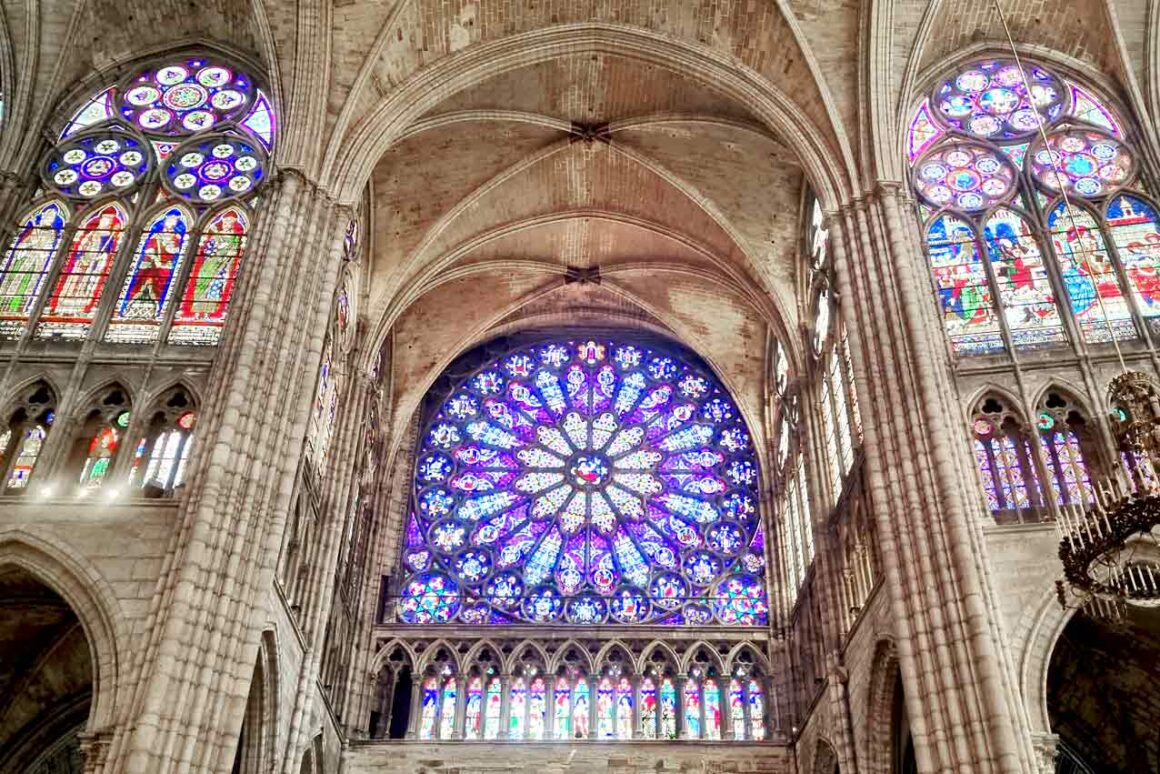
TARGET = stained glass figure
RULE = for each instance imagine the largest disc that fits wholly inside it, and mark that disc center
(648, 708)
(71, 306)
(581, 480)
(1093, 289)
(183, 98)
(99, 163)
(144, 297)
(737, 709)
(692, 709)
(1081, 162)
(991, 100)
(215, 168)
(756, 711)
(668, 709)
(447, 708)
(623, 709)
(606, 709)
(102, 451)
(26, 264)
(473, 710)
(967, 176)
(430, 711)
(1005, 461)
(1024, 289)
(712, 700)
(492, 720)
(517, 706)
(1135, 231)
(26, 456)
(201, 314)
(822, 313)
(562, 714)
(961, 281)
(580, 709)
(537, 708)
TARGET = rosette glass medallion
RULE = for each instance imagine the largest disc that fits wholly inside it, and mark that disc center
(97, 164)
(967, 176)
(991, 100)
(1082, 162)
(585, 482)
(186, 97)
(214, 169)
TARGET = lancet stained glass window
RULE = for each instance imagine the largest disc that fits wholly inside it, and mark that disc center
(585, 481)
(143, 172)
(991, 263)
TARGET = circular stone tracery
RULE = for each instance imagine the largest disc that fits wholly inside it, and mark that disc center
(585, 482)
(95, 164)
(185, 97)
(967, 176)
(990, 100)
(1089, 163)
(214, 169)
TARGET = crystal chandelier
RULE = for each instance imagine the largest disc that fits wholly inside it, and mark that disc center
(1111, 550)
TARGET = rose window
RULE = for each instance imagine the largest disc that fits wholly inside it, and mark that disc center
(585, 482)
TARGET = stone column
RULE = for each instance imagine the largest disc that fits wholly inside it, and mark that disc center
(637, 732)
(723, 709)
(204, 619)
(415, 719)
(549, 708)
(915, 467)
(460, 706)
(593, 706)
(505, 707)
(1046, 748)
(679, 681)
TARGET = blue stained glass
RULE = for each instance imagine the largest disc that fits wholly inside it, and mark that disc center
(585, 482)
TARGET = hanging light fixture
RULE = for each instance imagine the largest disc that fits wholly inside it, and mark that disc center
(1110, 550)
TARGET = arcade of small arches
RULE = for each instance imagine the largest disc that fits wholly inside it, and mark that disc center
(516, 690)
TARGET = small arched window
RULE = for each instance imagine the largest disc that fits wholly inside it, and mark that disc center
(152, 166)
(1005, 457)
(22, 438)
(998, 148)
(1068, 449)
(99, 440)
(162, 453)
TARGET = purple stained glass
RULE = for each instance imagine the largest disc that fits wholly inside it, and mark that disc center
(587, 482)
(183, 98)
(97, 163)
(214, 169)
(1081, 162)
(967, 176)
(990, 100)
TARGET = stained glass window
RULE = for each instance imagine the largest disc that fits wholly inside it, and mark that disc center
(756, 711)
(623, 709)
(473, 712)
(447, 708)
(737, 709)
(585, 481)
(692, 709)
(430, 711)
(1006, 463)
(145, 293)
(1069, 144)
(27, 453)
(162, 455)
(580, 709)
(189, 129)
(26, 264)
(606, 709)
(102, 451)
(517, 706)
(648, 708)
(537, 708)
(201, 312)
(72, 304)
(668, 707)
(1063, 433)
(562, 718)
(491, 723)
(712, 699)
